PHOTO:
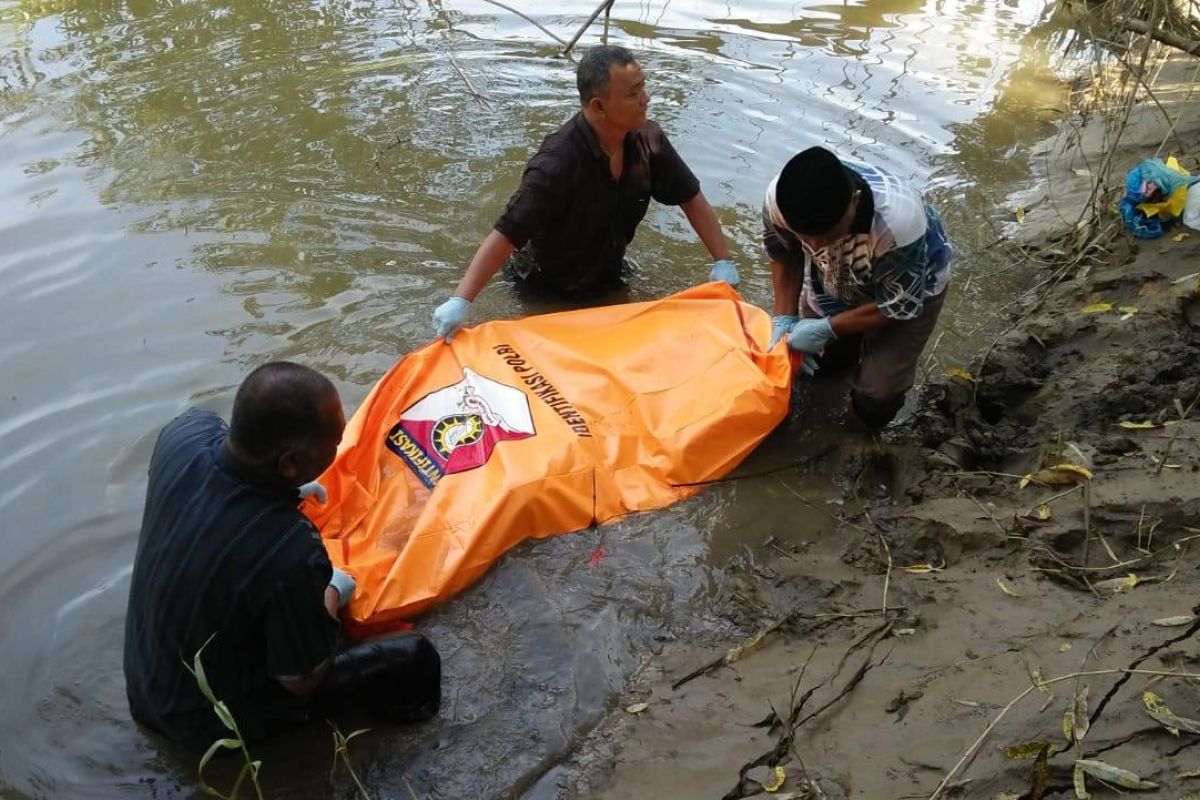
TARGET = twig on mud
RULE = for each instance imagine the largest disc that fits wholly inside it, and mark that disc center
(1087, 539)
(1091, 651)
(820, 619)
(923, 680)
(799, 463)
(1184, 413)
(1087, 522)
(825, 511)
(941, 787)
(1137, 662)
(887, 577)
(983, 508)
(408, 786)
(787, 737)
(855, 679)
(984, 472)
(1054, 497)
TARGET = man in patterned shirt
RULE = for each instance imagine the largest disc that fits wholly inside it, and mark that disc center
(859, 268)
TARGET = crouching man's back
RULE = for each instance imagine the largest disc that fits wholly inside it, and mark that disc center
(226, 558)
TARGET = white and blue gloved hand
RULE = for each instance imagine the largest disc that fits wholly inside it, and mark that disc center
(724, 270)
(314, 490)
(449, 317)
(809, 336)
(781, 326)
(344, 585)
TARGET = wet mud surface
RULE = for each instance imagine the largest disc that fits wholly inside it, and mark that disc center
(997, 571)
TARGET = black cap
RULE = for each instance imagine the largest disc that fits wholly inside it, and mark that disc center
(813, 191)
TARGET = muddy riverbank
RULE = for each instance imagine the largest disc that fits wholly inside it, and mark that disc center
(996, 569)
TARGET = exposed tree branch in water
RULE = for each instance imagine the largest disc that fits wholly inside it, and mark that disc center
(530, 20)
(481, 98)
(604, 5)
(1190, 46)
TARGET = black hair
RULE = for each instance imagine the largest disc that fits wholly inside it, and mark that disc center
(813, 191)
(594, 71)
(279, 406)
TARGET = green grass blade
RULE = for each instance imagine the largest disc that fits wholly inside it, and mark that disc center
(228, 744)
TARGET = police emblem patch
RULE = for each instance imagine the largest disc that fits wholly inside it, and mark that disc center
(456, 428)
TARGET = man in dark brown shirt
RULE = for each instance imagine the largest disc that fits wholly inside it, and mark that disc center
(583, 194)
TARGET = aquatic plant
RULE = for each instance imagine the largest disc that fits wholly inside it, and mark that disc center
(235, 742)
(341, 750)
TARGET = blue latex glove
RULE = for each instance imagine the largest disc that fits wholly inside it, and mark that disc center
(314, 489)
(781, 326)
(344, 584)
(724, 270)
(450, 316)
(809, 336)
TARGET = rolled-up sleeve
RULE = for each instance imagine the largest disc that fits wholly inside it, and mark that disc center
(672, 182)
(539, 199)
(900, 279)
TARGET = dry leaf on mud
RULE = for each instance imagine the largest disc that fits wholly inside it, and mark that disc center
(1192, 773)
(1173, 622)
(743, 650)
(1043, 512)
(1058, 475)
(1027, 750)
(1035, 676)
(1138, 426)
(922, 568)
(1081, 791)
(1117, 585)
(1128, 310)
(1109, 774)
(1041, 774)
(1004, 588)
(1068, 724)
(1081, 722)
(1072, 469)
(637, 708)
(1020, 214)
(1179, 237)
(1157, 709)
(770, 778)
(1097, 308)
(776, 781)
(1065, 647)
(959, 372)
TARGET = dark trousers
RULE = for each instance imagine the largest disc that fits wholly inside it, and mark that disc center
(884, 362)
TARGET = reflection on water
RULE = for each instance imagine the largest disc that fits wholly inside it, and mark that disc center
(191, 188)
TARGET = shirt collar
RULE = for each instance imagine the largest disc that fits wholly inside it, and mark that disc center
(589, 136)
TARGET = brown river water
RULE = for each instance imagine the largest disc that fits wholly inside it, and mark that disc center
(194, 187)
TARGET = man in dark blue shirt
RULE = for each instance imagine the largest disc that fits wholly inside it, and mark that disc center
(225, 557)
